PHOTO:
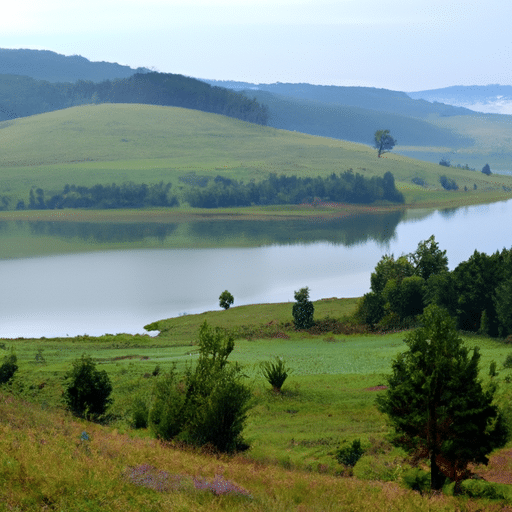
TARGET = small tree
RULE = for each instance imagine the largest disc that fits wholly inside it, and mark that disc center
(436, 402)
(384, 142)
(8, 368)
(486, 170)
(303, 310)
(87, 390)
(209, 404)
(226, 299)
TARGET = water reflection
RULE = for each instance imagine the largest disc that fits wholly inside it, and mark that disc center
(80, 236)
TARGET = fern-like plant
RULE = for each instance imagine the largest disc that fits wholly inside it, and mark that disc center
(275, 373)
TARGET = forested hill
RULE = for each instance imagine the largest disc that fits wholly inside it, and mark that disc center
(21, 96)
(54, 67)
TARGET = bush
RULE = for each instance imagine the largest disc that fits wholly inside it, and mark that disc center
(275, 373)
(508, 362)
(448, 183)
(350, 454)
(417, 479)
(226, 299)
(483, 489)
(140, 413)
(303, 310)
(444, 162)
(87, 390)
(8, 368)
(209, 404)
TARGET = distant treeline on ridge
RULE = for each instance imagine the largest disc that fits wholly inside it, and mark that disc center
(23, 96)
(220, 192)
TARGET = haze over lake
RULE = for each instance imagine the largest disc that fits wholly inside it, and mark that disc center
(111, 291)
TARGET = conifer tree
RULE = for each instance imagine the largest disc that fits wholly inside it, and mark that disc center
(436, 402)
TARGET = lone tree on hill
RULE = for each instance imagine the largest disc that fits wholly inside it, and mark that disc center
(384, 142)
(436, 402)
(226, 299)
(486, 170)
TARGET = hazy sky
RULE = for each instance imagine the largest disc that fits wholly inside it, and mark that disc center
(405, 45)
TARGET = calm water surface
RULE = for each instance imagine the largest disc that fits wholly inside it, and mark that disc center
(123, 290)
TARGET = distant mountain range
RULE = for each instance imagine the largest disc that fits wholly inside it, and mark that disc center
(492, 99)
(54, 67)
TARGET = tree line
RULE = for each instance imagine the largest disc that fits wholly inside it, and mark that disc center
(345, 187)
(477, 293)
(126, 195)
(23, 96)
(222, 192)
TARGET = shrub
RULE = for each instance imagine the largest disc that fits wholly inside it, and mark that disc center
(444, 162)
(226, 299)
(417, 479)
(508, 362)
(87, 390)
(209, 404)
(350, 454)
(275, 373)
(8, 368)
(483, 489)
(303, 310)
(448, 183)
(140, 413)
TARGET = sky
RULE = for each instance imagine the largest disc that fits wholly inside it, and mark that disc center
(405, 45)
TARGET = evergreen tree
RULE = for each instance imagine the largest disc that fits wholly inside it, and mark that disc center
(303, 310)
(436, 403)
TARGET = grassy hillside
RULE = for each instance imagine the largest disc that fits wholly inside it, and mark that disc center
(147, 144)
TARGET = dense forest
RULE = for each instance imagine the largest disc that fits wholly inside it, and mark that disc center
(477, 293)
(22, 96)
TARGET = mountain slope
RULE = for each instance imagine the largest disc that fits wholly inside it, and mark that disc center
(353, 123)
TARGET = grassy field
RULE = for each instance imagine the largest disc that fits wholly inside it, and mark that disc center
(148, 144)
(328, 400)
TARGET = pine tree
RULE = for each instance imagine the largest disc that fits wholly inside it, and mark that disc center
(436, 402)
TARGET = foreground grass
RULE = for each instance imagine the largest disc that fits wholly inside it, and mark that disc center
(45, 464)
(328, 400)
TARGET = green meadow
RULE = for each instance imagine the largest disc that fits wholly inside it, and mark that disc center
(117, 143)
(327, 401)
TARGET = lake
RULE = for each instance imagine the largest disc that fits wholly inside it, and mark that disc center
(109, 278)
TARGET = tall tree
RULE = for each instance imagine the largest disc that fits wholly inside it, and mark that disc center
(384, 142)
(436, 402)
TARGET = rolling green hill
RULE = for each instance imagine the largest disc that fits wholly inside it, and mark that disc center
(147, 144)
